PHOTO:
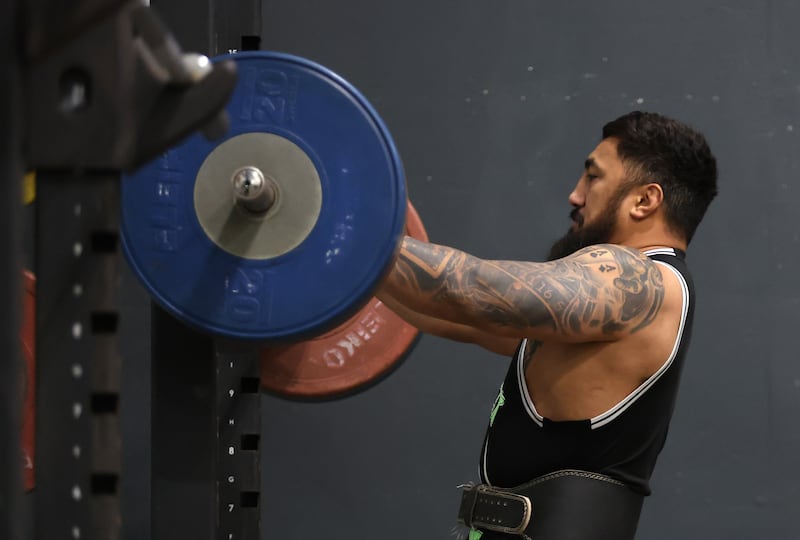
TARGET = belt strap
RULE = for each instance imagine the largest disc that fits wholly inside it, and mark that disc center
(564, 505)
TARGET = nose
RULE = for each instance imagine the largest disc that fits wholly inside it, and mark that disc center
(576, 198)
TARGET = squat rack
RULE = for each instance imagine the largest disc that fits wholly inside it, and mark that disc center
(203, 389)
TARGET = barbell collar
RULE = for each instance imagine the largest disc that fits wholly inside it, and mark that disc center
(253, 191)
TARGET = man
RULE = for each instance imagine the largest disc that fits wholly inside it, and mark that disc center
(598, 336)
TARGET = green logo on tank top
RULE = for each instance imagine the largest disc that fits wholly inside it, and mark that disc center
(499, 402)
(475, 534)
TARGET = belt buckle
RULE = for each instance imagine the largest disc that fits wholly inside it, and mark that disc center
(492, 496)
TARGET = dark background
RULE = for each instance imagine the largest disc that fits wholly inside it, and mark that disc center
(493, 106)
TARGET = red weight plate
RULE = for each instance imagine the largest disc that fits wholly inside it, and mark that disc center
(29, 386)
(348, 359)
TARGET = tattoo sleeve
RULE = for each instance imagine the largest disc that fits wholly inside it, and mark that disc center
(597, 293)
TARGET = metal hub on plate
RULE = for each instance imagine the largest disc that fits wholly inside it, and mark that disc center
(235, 174)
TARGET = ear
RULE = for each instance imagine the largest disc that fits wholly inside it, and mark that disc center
(647, 199)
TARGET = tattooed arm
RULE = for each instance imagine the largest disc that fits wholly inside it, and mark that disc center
(599, 293)
(446, 329)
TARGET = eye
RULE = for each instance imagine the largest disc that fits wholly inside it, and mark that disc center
(590, 176)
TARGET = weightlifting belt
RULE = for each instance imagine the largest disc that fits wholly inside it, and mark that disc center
(563, 505)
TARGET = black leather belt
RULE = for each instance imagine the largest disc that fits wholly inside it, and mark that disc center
(564, 505)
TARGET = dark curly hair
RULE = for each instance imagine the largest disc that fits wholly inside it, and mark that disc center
(657, 149)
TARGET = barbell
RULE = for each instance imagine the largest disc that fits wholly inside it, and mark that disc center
(281, 230)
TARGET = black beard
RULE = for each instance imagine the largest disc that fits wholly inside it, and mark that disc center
(588, 234)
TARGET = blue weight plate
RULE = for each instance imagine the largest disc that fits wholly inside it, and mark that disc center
(273, 279)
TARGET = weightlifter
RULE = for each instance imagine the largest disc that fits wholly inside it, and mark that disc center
(597, 335)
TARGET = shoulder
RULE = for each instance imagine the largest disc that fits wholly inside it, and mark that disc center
(623, 254)
(616, 260)
(625, 285)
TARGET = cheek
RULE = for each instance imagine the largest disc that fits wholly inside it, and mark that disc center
(601, 208)
(595, 204)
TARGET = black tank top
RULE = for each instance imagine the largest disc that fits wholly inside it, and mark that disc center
(622, 443)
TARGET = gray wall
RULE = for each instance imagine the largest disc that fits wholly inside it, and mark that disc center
(494, 105)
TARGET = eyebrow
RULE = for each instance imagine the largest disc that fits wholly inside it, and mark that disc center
(591, 162)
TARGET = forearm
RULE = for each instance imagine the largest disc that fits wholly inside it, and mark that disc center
(449, 284)
(447, 329)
